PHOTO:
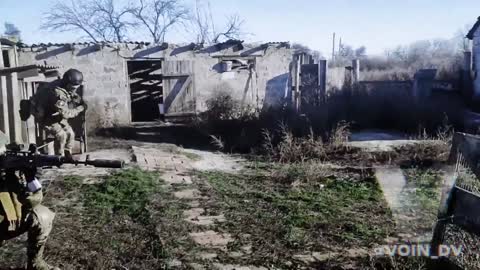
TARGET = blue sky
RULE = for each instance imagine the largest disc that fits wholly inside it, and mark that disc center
(376, 24)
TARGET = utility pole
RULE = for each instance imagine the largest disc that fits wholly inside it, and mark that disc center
(333, 49)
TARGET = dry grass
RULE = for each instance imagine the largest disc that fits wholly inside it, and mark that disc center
(217, 142)
(376, 106)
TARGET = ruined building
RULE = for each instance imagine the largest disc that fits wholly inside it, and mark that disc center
(138, 82)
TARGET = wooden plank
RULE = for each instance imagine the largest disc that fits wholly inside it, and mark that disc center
(28, 73)
(322, 79)
(13, 97)
(178, 90)
(236, 56)
(30, 123)
(4, 125)
(175, 75)
(12, 56)
(39, 78)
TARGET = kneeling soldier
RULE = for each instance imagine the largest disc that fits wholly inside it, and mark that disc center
(21, 212)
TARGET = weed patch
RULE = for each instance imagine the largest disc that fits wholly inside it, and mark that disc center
(329, 212)
(107, 225)
(127, 192)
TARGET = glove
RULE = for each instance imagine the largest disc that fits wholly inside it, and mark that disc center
(80, 108)
(77, 99)
(85, 107)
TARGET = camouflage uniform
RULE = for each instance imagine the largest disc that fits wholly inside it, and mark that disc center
(21, 212)
(52, 106)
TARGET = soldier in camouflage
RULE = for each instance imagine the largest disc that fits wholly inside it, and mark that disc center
(55, 103)
(21, 212)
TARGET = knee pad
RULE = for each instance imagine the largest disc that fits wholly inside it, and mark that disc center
(61, 135)
(44, 216)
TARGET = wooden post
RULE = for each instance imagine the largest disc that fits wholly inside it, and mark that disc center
(297, 85)
(322, 80)
(356, 70)
(1, 56)
(30, 123)
(4, 126)
(13, 97)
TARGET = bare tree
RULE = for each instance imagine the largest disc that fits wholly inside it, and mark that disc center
(231, 30)
(205, 27)
(159, 16)
(114, 21)
(99, 20)
(301, 48)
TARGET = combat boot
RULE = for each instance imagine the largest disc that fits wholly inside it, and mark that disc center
(35, 258)
(68, 156)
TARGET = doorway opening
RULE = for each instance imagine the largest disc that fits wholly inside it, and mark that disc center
(146, 90)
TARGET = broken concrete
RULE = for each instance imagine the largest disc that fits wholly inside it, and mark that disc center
(220, 266)
(207, 256)
(212, 239)
(392, 182)
(188, 194)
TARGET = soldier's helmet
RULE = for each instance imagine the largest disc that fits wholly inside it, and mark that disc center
(3, 142)
(72, 77)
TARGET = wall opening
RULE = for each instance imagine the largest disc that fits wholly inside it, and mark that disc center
(6, 59)
(146, 90)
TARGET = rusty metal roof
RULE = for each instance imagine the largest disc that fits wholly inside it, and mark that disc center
(46, 45)
(81, 43)
(474, 29)
(6, 41)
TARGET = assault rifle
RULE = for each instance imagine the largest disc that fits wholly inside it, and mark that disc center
(27, 161)
(17, 159)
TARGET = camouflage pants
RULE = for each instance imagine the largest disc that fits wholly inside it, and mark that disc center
(64, 137)
(38, 224)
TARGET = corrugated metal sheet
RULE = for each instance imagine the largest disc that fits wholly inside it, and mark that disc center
(46, 45)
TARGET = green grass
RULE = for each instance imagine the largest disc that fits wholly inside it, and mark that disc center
(126, 192)
(347, 212)
(72, 181)
(425, 184)
(111, 224)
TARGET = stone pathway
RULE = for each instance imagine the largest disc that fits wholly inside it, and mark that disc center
(406, 210)
(175, 168)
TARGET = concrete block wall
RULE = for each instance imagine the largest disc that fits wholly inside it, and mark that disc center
(105, 85)
(106, 78)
